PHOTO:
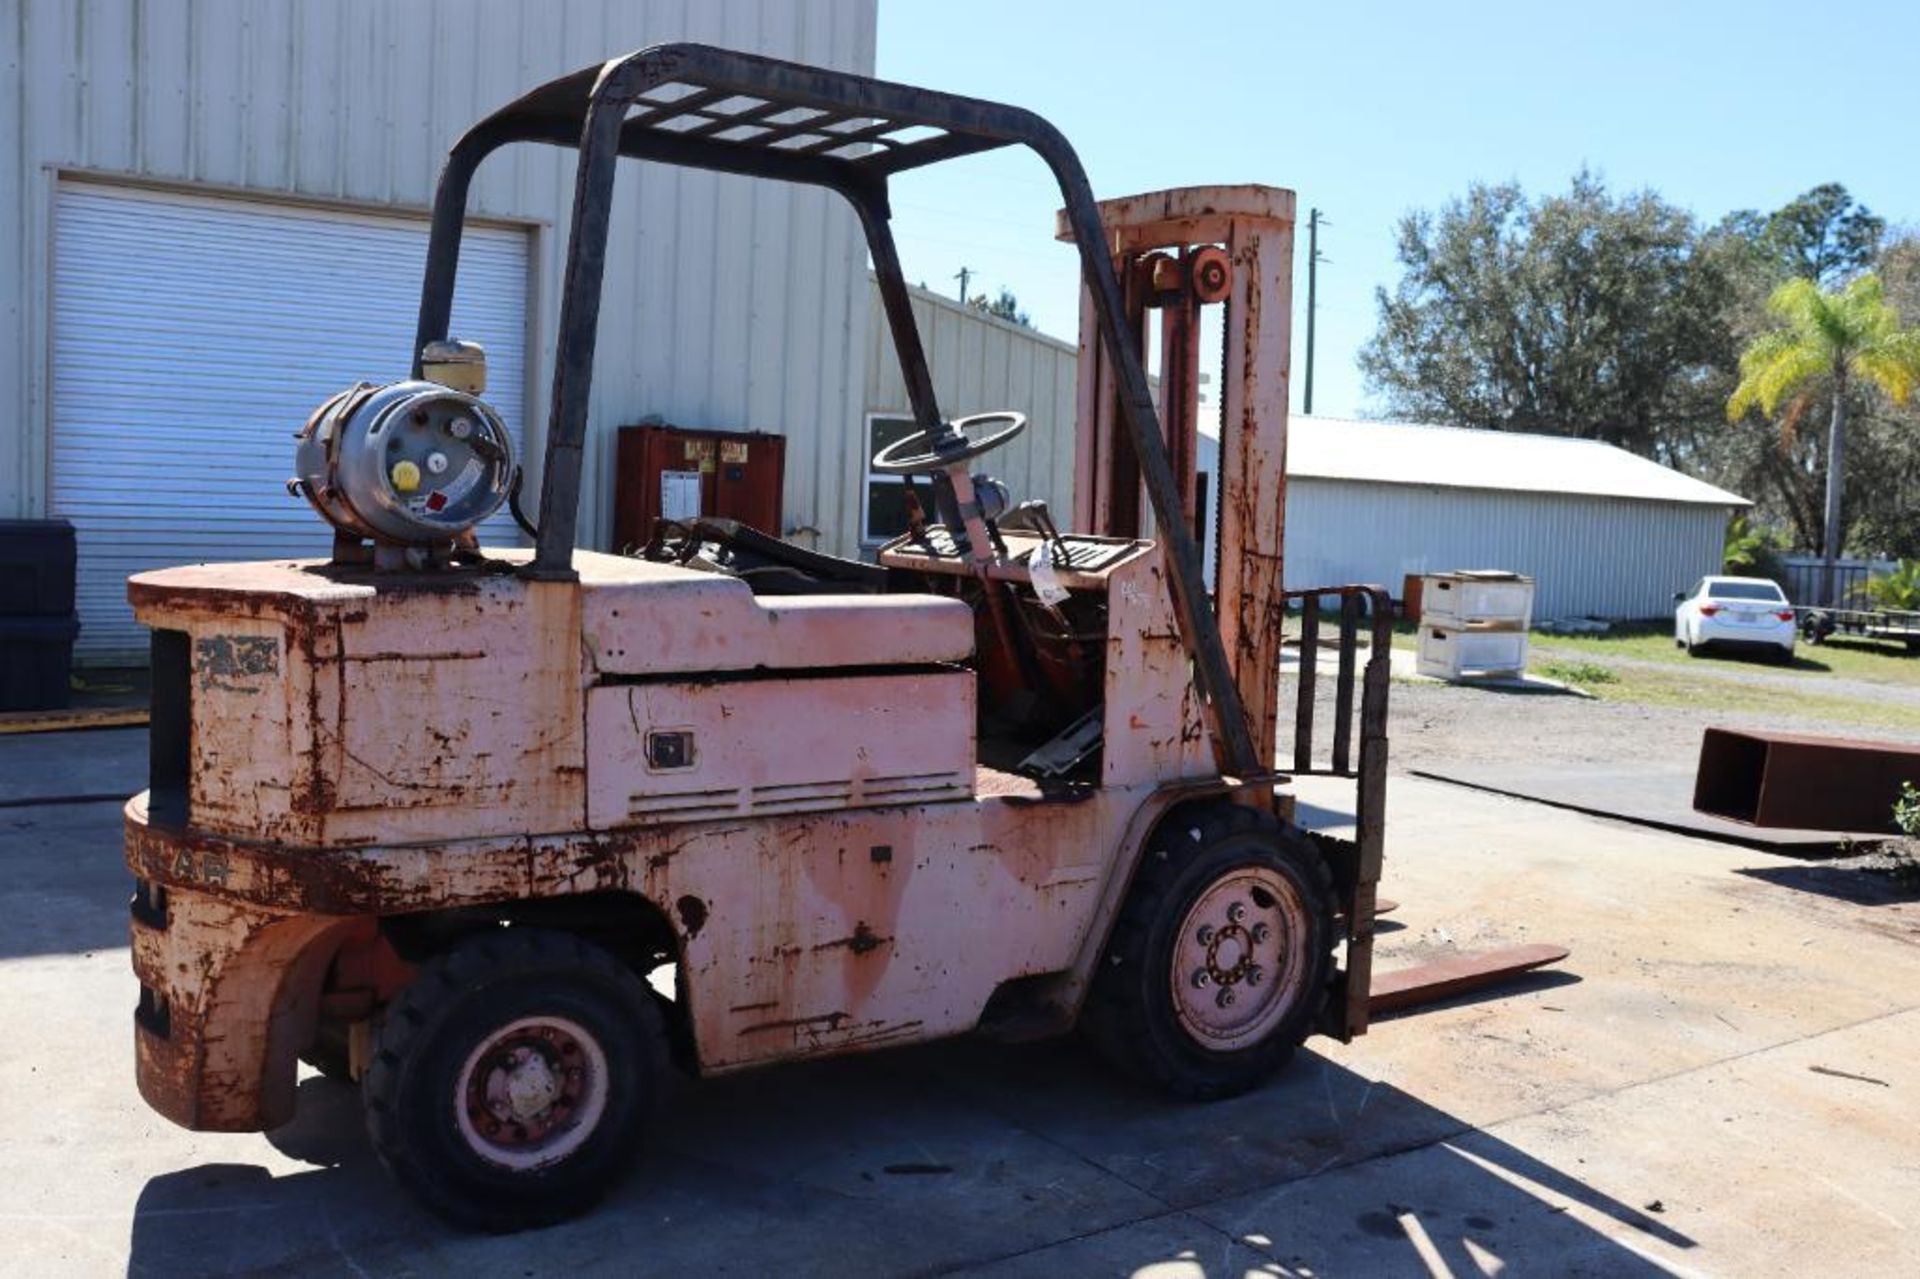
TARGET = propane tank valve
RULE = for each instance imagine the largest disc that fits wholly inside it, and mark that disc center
(412, 466)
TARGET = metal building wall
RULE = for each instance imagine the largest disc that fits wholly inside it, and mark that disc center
(729, 302)
(1589, 556)
(981, 363)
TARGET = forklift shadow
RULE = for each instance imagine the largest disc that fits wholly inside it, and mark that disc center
(1027, 1159)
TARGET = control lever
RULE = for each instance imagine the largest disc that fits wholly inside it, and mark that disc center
(1032, 515)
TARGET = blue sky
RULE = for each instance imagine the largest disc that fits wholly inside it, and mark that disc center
(1369, 110)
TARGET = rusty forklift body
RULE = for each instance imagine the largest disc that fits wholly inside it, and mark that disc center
(845, 806)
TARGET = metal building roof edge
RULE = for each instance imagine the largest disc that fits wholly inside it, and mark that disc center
(1493, 461)
(1027, 331)
(1725, 499)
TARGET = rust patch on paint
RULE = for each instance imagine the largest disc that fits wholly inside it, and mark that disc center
(824, 1021)
(693, 914)
(863, 941)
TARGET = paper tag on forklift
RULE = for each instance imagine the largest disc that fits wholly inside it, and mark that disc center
(1046, 582)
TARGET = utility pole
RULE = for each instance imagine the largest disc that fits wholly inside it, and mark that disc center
(963, 275)
(1314, 223)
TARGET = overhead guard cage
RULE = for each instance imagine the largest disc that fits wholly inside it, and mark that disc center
(701, 107)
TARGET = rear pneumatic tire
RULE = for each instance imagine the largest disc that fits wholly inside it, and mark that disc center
(1218, 966)
(511, 1081)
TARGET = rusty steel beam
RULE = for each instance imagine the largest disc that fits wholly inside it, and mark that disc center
(1456, 975)
(1800, 782)
(1257, 336)
(1180, 378)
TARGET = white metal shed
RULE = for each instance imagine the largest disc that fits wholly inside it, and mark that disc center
(1603, 532)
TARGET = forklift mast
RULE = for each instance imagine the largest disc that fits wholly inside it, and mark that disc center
(1174, 252)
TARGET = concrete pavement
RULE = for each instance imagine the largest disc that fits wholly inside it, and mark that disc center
(1721, 1081)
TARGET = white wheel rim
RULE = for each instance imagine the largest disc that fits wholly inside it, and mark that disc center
(1240, 958)
(531, 1092)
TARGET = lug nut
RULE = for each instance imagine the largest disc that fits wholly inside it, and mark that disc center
(1256, 975)
(1236, 912)
(1225, 998)
(1203, 979)
(1205, 935)
(1260, 934)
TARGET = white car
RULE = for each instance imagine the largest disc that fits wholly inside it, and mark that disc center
(1737, 614)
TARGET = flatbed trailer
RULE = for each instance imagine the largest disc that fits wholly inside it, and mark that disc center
(1895, 625)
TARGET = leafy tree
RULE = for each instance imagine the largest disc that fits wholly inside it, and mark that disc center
(1752, 549)
(1005, 307)
(1899, 589)
(1618, 319)
(1785, 471)
(1821, 235)
(1580, 314)
(1826, 341)
(1883, 486)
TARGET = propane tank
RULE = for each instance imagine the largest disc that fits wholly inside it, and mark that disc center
(412, 465)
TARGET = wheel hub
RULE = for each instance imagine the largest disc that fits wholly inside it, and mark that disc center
(1230, 955)
(530, 1085)
(1237, 959)
(531, 1093)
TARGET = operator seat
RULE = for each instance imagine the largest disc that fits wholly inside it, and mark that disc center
(770, 566)
(650, 618)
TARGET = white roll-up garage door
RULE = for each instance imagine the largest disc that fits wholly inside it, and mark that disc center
(193, 336)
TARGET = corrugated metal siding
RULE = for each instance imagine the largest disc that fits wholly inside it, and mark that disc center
(728, 303)
(1603, 557)
(981, 364)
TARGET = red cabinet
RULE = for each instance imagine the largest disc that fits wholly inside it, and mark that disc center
(670, 472)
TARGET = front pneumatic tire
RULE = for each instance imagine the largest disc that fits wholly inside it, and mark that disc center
(1219, 964)
(512, 1080)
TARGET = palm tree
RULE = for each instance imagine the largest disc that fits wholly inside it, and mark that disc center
(1840, 337)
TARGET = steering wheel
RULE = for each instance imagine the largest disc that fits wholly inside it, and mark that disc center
(950, 448)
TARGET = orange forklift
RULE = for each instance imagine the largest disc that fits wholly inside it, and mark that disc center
(499, 834)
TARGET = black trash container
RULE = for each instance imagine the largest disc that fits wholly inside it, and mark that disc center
(35, 654)
(37, 621)
(36, 568)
